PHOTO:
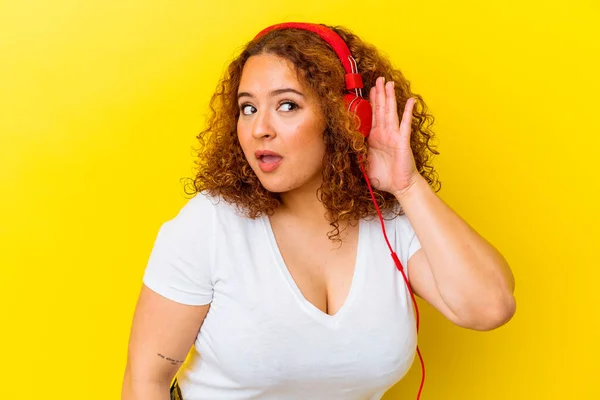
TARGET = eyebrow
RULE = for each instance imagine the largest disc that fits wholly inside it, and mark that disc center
(273, 93)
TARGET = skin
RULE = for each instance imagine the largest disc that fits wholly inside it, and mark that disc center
(294, 131)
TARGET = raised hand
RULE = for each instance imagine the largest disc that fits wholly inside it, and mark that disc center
(391, 162)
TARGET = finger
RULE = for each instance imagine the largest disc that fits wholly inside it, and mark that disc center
(391, 107)
(372, 99)
(380, 104)
(407, 117)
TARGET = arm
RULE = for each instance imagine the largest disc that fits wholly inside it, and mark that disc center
(457, 271)
(162, 334)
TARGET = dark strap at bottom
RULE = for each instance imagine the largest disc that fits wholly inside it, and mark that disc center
(175, 391)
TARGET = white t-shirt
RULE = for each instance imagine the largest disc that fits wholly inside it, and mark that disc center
(261, 338)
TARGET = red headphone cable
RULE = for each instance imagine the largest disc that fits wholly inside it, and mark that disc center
(401, 269)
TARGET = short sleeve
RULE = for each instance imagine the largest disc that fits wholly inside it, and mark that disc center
(407, 242)
(179, 267)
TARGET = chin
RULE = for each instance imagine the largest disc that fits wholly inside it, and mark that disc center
(281, 181)
(275, 186)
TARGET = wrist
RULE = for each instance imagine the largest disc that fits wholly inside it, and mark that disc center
(418, 183)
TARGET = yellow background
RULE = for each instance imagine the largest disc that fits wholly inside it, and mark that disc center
(99, 105)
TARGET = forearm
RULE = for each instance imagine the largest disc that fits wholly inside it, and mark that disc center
(472, 277)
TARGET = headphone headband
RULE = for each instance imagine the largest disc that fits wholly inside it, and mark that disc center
(353, 78)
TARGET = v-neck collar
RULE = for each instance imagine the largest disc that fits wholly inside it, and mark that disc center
(331, 321)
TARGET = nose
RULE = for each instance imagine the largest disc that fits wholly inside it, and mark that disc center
(262, 127)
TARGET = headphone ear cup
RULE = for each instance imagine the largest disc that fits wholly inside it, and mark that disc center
(362, 109)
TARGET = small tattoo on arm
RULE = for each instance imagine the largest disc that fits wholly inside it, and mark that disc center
(173, 362)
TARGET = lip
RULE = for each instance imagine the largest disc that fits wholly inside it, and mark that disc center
(267, 166)
(260, 153)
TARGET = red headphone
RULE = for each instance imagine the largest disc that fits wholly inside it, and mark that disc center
(354, 99)
(359, 106)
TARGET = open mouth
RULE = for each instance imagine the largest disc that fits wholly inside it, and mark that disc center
(269, 162)
(269, 159)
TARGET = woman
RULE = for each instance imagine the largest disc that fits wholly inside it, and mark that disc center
(277, 270)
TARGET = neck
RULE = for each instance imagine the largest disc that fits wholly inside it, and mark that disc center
(303, 205)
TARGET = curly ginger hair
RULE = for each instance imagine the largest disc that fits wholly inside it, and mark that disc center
(223, 171)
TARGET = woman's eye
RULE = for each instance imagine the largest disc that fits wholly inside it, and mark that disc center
(288, 106)
(290, 103)
(244, 108)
